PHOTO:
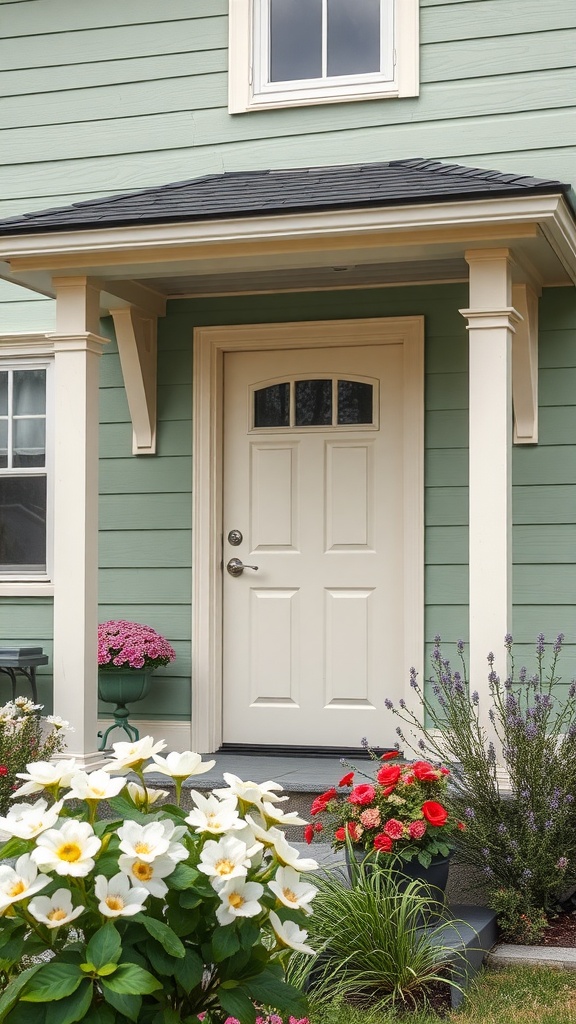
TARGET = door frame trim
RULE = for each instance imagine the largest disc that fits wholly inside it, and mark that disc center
(210, 346)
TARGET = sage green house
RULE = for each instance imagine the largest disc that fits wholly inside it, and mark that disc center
(287, 350)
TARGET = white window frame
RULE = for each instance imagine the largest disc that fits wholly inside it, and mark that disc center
(30, 362)
(248, 57)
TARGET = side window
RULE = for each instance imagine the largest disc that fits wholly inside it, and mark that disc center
(24, 470)
(296, 52)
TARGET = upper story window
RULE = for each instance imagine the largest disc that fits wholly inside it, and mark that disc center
(24, 470)
(296, 52)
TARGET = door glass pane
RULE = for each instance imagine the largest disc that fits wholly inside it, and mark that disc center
(3, 444)
(295, 39)
(29, 446)
(29, 392)
(272, 406)
(23, 523)
(313, 403)
(353, 37)
(3, 393)
(355, 402)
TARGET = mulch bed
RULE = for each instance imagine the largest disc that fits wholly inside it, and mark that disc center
(561, 930)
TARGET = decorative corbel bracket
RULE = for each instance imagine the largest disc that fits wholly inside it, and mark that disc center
(137, 345)
(525, 365)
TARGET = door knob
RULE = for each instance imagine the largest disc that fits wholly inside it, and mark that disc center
(235, 567)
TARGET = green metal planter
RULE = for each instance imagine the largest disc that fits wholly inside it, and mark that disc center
(122, 687)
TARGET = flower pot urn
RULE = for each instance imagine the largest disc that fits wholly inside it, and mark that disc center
(435, 875)
(122, 687)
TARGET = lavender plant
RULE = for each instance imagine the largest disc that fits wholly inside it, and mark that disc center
(519, 815)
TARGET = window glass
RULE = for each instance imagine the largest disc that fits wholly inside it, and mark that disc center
(29, 392)
(3, 444)
(29, 442)
(295, 39)
(4, 393)
(22, 523)
(313, 403)
(353, 33)
(355, 402)
(272, 406)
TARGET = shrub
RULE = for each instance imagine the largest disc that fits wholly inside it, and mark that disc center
(520, 818)
(25, 737)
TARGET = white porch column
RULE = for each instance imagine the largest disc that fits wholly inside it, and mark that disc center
(491, 320)
(77, 348)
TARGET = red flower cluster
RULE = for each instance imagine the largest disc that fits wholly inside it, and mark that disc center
(397, 812)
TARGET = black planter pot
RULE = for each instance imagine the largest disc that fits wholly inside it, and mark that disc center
(435, 875)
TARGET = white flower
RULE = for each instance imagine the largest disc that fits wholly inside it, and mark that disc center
(288, 855)
(225, 859)
(59, 723)
(156, 839)
(214, 815)
(68, 850)
(272, 813)
(21, 882)
(94, 786)
(291, 891)
(141, 796)
(180, 766)
(26, 705)
(26, 821)
(45, 774)
(148, 874)
(289, 934)
(117, 898)
(131, 755)
(56, 910)
(239, 899)
(250, 792)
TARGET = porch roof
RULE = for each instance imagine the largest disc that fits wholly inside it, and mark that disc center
(241, 193)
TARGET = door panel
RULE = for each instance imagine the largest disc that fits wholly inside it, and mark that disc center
(314, 638)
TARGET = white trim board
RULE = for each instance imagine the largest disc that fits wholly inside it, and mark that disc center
(210, 344)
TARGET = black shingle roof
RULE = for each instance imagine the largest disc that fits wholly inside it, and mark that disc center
(242, 193)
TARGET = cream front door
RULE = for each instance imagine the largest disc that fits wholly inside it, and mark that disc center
(314, 482)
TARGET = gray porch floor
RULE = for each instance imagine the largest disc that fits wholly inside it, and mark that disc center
(295, 774)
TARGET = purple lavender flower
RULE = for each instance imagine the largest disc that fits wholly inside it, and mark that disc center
(548, 824)
(530, 818)
(488, 871)
(400, 733)
(531, 731)
(508, 641)
(503, 831)
(562, 863)
(569, 799)
(475, 698)
(522, 674)
(558, 643)
(413, 680)
(364, 742)
(508, 683)
(421, 745)
(388, 704)
(491, 715)
(485, 852)
(540, 643)
(491, 753)
(527, 874)
(572, 690)
(555, 800)
(490, 658)
(460, 646)
(402, 703)
(469, 813)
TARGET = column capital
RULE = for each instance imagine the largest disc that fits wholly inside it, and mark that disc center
(489, 318)
(83, 341)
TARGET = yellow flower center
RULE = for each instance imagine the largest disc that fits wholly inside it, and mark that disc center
(17, 888)
(70, 852)
(236, 900)
(142, 848)
(144, 872)
(289, 895)
(114, 902)
(213, 820)
(224, 866)
(57, 914)
(97, 793)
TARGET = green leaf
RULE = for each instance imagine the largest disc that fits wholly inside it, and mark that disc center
(225, 943)
(159, 960)
(237, 1004)
(131, 980)
(100, 1015)
(190, 900)
(20, 1014)
(248, 933)
(183, 877)
(15, 847)
(52, 981)
(424, 858)
(73, 1008)
(107, 969)
(105, 946)
(128, 1006)
(163, 934)
(188, 972)
(267, 988)
(443, 849)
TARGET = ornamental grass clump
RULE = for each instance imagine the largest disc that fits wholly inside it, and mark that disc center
(513, 778)
(26, 736)
(125, 645)
(157, 916)
(403, 809)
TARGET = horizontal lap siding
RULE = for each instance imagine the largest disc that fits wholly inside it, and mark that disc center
(27, 622)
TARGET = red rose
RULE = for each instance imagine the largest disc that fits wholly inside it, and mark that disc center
(318, 826)
(434, 813)
(383, 842)
(354, 831)
(424, 772)
(340, 834)
(394, 828)
(319, 804)
(390, 755)
(3, 769)
(444, 771)
(347, 779)
(309, 833)
(363, 794)
(408, 779)
(389, 775)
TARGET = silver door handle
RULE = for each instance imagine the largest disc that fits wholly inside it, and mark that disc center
(235, 567)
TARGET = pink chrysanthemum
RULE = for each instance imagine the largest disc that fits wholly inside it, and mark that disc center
(417, 829)
(370, 818)
(394, 828)
(124, 644)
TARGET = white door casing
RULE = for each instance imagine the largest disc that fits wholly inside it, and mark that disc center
(337, 601)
